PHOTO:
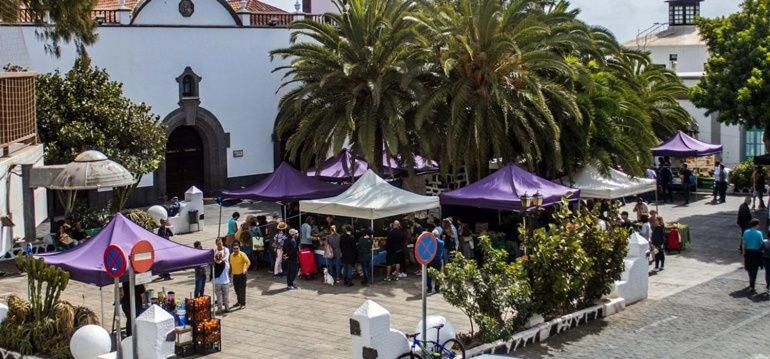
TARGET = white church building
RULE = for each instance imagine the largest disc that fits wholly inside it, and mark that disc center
(680, 48)
(203, 66)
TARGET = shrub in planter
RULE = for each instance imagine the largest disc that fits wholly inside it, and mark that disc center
(557, 268)
(556, 264)
(606, 250)
(495, 296)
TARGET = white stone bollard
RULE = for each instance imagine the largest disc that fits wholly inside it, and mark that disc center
(152, 329)
(90, 341)
(193, 200)
(446, 333)
(634, 282)
(372, 336)
(157, 213)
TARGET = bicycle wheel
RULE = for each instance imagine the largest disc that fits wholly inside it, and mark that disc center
(409, 355)
(453, 349)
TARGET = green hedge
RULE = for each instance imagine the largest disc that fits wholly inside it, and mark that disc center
(571, 264)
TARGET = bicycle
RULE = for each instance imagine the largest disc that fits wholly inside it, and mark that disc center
(449, 349)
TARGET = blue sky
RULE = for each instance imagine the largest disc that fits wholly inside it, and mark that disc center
(623, 17)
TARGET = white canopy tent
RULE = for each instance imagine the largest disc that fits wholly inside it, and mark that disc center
(371, 197)
(617, 184)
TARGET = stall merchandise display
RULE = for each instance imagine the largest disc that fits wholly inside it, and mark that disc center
(206, 331)
(208, 336)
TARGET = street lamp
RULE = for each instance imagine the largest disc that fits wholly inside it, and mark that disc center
(538, 200)
(526, 201)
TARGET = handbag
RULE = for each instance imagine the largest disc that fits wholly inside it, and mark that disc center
(258, 244)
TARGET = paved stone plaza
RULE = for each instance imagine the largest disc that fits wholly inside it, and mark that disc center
(696, 308)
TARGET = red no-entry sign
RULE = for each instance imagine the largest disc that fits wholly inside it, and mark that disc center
(142, 256)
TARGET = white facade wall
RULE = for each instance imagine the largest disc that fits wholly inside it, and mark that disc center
(206, 13)
(11, 203)
(690, 65)
(237, 84)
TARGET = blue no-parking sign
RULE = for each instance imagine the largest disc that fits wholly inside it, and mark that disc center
(425, 248)
(115, 262)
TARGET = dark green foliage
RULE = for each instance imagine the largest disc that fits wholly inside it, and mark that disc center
(70, 20)
(83, 110)
(736, 86)
(495, 296)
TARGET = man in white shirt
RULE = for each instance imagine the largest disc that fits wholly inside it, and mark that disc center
(717, 180)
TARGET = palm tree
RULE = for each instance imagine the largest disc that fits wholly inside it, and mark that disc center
(355, 82)
(502, 67)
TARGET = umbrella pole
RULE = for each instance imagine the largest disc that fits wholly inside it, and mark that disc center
(656, 200)
(101, 303)
(499, 217)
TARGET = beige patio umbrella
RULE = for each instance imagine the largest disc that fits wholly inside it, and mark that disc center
(90, 170)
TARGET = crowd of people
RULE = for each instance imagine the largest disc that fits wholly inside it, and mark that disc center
(261, 244)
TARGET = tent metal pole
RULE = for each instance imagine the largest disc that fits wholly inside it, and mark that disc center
(656, 200)
(371, 262)
(219, 226)
(213, 290)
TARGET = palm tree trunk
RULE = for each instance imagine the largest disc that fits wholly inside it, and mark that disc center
(379, 150)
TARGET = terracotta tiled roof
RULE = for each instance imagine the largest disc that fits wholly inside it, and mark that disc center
(114, 4)
(251, 5)
(254, 6)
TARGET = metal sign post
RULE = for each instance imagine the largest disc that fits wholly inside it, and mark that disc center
(425, 249)
(142, 258)
(131, 283)
(115, 263)
(116, 320)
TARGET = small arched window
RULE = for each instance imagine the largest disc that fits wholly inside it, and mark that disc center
(188, 84)
(188, 87)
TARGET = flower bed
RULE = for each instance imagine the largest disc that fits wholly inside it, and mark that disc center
(543, 331)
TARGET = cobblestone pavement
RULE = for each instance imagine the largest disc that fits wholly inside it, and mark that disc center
(308, 323)
(697, 307)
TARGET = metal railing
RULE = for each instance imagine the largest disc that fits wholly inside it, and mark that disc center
(283, 19)
(27, 16)
(17, 108)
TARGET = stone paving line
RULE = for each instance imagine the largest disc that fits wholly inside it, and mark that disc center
(313, 322)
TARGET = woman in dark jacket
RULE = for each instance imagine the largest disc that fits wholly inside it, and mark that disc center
(348, 248)
(658, 239)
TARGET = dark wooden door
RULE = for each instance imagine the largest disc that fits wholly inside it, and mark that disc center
(184, 161)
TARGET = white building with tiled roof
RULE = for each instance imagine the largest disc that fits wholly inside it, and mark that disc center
(680, 48)
(204, 67)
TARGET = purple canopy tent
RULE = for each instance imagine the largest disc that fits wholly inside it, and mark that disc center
(341, 166)
(502, 189)
(682, 145)
(85, 262)
(284, 185)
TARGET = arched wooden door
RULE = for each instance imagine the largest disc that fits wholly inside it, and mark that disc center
(184, 161)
